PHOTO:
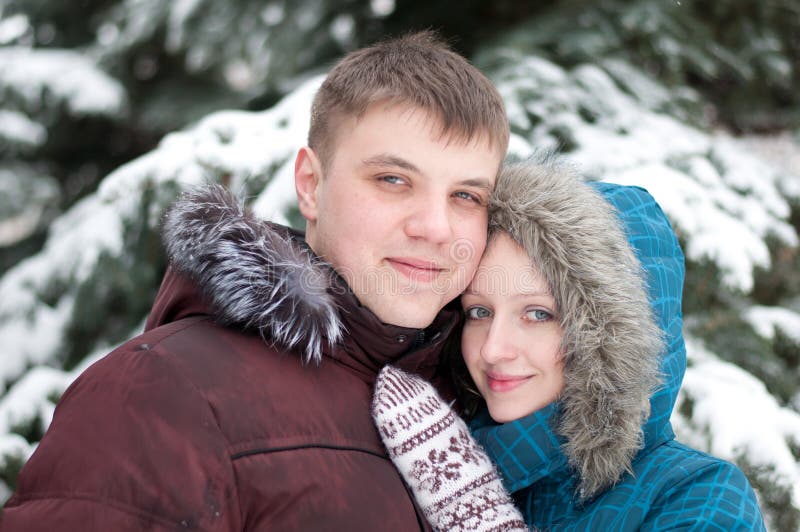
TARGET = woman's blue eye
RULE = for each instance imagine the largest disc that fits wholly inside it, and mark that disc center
(538, 314)
(477, 313)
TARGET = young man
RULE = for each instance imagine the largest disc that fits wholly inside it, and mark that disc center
(246, 403)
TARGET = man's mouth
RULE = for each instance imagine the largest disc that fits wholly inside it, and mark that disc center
(421, 270)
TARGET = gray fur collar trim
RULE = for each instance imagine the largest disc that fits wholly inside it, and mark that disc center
(253, 274)
(611, 341)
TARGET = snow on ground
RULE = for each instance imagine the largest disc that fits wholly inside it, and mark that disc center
(733, 414)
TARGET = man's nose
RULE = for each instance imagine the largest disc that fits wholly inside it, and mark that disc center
(431, 221)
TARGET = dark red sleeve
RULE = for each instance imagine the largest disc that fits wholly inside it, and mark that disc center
(132, 446)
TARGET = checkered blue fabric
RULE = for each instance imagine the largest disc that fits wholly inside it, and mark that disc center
(672, 486)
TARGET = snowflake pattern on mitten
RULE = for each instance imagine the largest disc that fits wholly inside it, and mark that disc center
(452, 479)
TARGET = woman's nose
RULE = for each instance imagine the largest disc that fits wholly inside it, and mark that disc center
(498, 344)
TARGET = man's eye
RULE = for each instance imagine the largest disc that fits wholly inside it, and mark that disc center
(392, 179)
(468, 196)
(477, 313)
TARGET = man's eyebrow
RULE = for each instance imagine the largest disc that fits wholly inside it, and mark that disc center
(386, 159)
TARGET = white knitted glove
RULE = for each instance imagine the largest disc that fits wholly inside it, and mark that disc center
(453, 480)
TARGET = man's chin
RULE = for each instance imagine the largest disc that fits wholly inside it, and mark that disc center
(413, 316)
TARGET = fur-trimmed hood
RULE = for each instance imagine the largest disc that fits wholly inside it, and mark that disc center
(257, 276)
(608, 281)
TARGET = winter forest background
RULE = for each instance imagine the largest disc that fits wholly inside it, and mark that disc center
(108, 108)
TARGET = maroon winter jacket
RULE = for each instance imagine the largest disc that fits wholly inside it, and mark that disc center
(219, 416)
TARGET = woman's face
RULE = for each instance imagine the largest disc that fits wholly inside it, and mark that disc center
(512, 337)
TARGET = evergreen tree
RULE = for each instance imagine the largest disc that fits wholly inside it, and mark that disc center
(630, 90)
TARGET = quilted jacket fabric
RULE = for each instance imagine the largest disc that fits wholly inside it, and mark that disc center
(671, 486)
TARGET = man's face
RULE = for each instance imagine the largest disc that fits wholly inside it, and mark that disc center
(401, 212)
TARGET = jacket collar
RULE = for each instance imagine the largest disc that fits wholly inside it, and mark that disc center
(525, 450)
(371, 344)
(263, 277)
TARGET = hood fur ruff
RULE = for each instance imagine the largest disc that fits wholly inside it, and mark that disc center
(252, 273)
(611, 342)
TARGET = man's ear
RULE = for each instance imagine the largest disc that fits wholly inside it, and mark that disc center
(307, 178)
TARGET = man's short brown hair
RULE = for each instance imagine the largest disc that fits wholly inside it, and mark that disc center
(419, 70)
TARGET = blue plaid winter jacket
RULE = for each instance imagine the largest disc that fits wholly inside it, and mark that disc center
(671, 486)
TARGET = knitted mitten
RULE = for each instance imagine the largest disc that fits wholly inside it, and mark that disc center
(453, 480)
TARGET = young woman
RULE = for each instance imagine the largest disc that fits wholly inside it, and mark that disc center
(573, 355)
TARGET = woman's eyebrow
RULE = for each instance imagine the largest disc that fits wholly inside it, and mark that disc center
(477, 182)
(510, 293)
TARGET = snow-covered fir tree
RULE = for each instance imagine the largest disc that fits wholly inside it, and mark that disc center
(631, 92)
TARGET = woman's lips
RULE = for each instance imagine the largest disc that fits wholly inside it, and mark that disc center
(415, 269)
(505, 383)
